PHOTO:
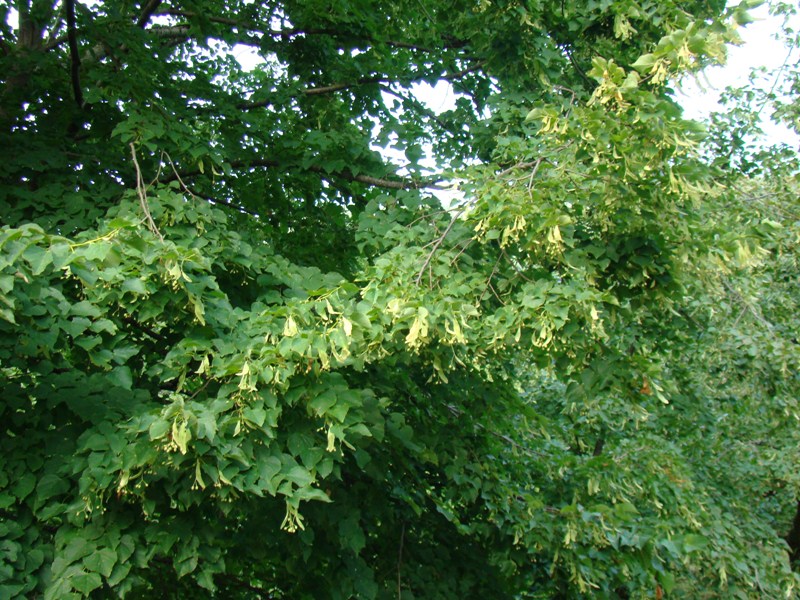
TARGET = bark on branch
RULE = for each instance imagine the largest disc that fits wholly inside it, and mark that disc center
(453, 44)
(74, 54)
(147, 11)
(793, 537)
(376, 79)
(346, 174)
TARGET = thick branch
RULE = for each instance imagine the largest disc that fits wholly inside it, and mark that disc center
(145, 329)
(147, 12)
(377, 79)
(325, 89)
(393, 184)
(72, 36)
(793, 537)
(295, 32)
(179, 32)
(212, 19)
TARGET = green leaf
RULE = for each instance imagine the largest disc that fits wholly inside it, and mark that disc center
(186, 566)
(158, 429)
(300, 476)
(38, 258)
(86, 582)
(135, 285)
(85, 309)
(352, 535)
(102, 561)
(24, 486)
(121, 377)
(119, 573)
(76, 549)
(693, 542)
(645, 62)
(255, 415)
(50, 485)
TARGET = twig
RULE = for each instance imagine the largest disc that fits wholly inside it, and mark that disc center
(377, 79)
(778, 76)
(496, 295)
(437, 243)
(425, 216)
(285, 34)
(568, 90)
(425, 10)
(51, 39)
(346, 174)
(578, 68)
(200, 389)
(513, 263)
(466, 243)
(491, 276)
(513, 168)
(458, 413)
(458, 74)
(221, 202)
(158, 171)
(145, 329)
(141, 191)
(177, 175)
(747, 305)
(400, 561)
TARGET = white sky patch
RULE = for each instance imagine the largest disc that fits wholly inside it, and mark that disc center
(439, 98)
(247, 56)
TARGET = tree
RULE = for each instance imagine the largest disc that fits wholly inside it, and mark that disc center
(244, 354)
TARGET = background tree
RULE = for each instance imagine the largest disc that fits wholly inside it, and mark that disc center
(244, 355)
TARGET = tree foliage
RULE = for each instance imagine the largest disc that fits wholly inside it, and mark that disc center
(246, 353)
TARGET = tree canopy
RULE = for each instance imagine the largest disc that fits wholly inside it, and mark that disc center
(288, 331)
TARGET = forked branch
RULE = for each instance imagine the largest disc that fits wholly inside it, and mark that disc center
(141, 191)
(438, 242)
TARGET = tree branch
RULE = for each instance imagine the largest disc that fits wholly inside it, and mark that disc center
(141, 191)
(326, 89)
(295, 32)
(400, 562)
(376, 79)
(459, 414)
(29, 33)
(438, 243)
(147, 12)
(178, 32)
(793, 537)
(52, 36)
(346, 174)
(69, 6)
(222, 202)
(417, 106)
(141, 21)
(149, 331)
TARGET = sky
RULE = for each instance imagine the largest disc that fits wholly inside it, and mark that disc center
(760, 49)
